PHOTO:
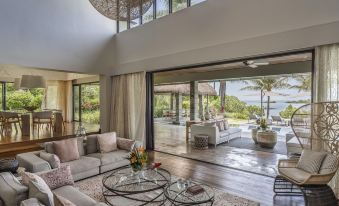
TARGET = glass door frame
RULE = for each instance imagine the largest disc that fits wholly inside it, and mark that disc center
(80, 99)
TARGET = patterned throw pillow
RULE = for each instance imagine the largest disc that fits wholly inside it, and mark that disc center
(329, 164)
(37, 188)
(52, 159)
(58, 177)
(125, 144)
(61, 201)
(220, 125)
(226, 125)
(310, 161)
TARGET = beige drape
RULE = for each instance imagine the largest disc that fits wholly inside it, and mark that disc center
(59, 96)
(129, 106)
(326, 84)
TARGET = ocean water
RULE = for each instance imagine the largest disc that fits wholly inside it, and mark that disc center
(275, 107)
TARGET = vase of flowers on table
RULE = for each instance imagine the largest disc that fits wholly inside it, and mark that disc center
(138, 159)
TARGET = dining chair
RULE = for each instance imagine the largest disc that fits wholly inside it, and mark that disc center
(43, 118)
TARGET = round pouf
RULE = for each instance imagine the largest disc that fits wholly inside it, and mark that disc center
(267, 138)
(201, 141)
(9, 165)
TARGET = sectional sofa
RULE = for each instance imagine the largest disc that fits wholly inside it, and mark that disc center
(91, 162)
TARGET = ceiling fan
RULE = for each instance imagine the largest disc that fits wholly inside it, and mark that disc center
(253, 64)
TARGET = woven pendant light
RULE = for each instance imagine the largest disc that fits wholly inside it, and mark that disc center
(127, 8)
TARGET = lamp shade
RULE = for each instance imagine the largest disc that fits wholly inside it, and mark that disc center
(17, 83)
(32, 82)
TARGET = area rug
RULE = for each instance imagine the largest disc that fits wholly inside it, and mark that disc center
(93, 188)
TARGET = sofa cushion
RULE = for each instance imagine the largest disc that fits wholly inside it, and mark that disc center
(92, 144)
(52, 159)
(75, 196)
(31, 202)
(58, 177)
(61, 201)
(233, 130)
(48, 146)
(294, 173)
(111, 157)
(310, 161)
(37, 188)
(125, 144)
(83, 164)
(224, 133)
(66, 150)
(107, 142)
(220, 125)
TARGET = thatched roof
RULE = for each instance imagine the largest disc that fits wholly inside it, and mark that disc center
(203, 88)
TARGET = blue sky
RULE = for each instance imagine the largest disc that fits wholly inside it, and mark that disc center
(233, 88)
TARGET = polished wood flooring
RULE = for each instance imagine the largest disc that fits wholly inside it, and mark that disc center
(255, 187)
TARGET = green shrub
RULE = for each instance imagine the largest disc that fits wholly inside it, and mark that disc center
(253, 109)
(239, 115)
(288, 111)
(92, 117)
(17, 100)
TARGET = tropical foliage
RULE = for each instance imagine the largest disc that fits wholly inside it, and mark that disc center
(288, 111)
(138, 158)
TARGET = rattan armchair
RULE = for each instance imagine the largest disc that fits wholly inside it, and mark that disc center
(288, 169)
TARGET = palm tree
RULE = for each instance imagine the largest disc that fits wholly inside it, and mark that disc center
(222, 91)
(267, 84)
(304, 83)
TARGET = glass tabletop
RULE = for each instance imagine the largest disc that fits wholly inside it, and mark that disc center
(124, 180)
(177, 193)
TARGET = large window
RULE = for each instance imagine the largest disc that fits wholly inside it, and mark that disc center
(132, 15)
(86, 102)
(20, 100)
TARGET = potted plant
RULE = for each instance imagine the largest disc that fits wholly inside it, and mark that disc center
(138, 159)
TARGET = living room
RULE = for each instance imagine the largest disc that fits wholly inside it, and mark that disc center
(125, 44)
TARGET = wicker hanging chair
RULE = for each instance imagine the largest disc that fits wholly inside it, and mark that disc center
(127, 8)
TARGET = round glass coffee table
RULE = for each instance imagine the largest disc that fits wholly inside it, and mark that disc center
(124, 187)
(177, 194)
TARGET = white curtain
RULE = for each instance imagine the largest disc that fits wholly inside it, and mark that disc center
(326, 84)
(59, 96)
(326, 73)
(129, 106)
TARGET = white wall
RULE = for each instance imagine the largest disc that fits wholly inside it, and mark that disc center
(227, 29)
(57, 34)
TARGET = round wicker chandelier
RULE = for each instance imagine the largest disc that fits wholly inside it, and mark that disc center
(127, 8)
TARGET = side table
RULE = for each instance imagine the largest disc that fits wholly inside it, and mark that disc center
(201, 142)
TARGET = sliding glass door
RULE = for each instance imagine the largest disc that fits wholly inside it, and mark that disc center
(86, 103)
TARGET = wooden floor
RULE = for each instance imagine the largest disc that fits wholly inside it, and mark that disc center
(248, 185)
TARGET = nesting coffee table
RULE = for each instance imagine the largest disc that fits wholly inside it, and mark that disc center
(179, 196)
(123, 187)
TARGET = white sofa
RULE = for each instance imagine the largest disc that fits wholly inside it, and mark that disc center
(215, 136)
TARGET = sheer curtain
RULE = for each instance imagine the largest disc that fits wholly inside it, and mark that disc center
(129, 106)
(59, 96)
(326, 84)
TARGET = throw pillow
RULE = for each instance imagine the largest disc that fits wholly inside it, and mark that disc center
(92, 144)
(226, 125)
(37, 188)
(61, 201)
(52, 159)
(26, 177)
(220, 125)
(107, 142)
(67, 150)
(81, 149)
(49, 147)
(59, 177)
(125, 144)
(329, 164)
(310, 161)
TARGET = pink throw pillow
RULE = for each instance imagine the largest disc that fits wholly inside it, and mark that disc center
(58, 177)
(66, 150)
(107, 142)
